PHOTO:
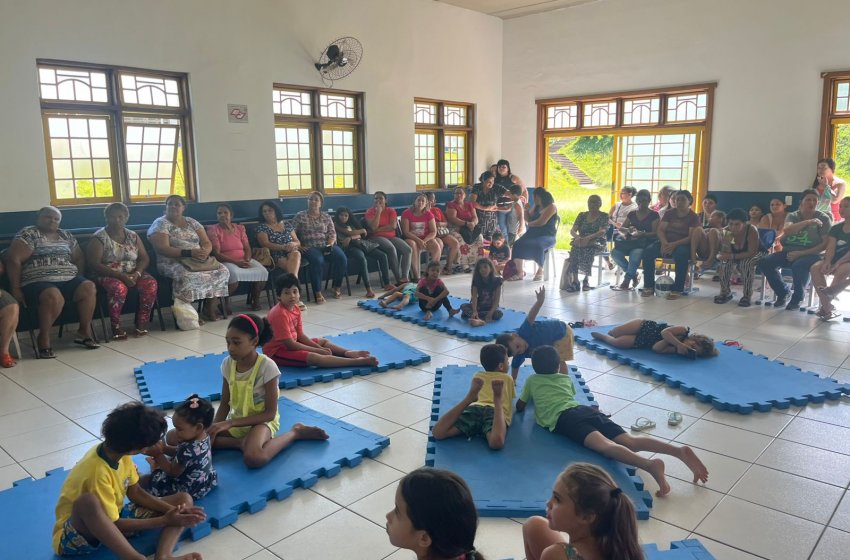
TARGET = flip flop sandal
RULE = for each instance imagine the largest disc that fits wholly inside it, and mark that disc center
(7, 361)
(674, 418)
(46, 354)
(141, 332)
(88, 342)
(733, 343)
(642, 424)
(828, 316)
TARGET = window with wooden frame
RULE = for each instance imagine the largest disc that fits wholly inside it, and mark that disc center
(442, 143)
(318, 140)
(652, 137)
(835, 121)
(115, 134)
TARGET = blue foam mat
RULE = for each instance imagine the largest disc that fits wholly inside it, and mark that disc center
(162, 384)
(516, 481)
(736, 380)
(27, 509)
(690, 549)
(454, 326)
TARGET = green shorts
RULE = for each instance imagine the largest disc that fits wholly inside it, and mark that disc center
(476, 420)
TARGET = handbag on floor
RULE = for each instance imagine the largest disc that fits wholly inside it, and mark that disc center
(565, 278)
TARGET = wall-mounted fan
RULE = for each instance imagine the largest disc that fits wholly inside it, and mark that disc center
(339, 59)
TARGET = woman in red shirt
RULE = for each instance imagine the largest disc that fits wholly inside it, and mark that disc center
(465, 229)
(420, 231)
(382, 220)
(443, 232)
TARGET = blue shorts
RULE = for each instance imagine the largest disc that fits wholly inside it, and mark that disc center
(72, 543)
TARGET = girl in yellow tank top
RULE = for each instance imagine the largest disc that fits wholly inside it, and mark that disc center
(248, 417)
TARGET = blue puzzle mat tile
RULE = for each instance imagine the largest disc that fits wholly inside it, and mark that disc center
(27, 509)
(690, 549)
(163, 384)
(454, 326)
(531, 450)
(736, 380)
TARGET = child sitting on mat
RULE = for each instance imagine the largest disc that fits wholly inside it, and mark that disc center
(288, 345)
(431, 292)
(660, 338)
(500, 252)
(91, 509)
(556, 409)
(591, 509)
(434, 516)
(486, 409)
(486, 291)
(533, 333)
(247, 418)
(183, 462)
(405, 294)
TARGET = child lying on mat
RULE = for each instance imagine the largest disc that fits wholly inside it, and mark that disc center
(183, 462)
(247, 418)
(486, 409)
(91, 509)
(591, 509)
(405, 294)
(660, 338)
(557, 410)
(289, 346)
(533, 333)
(434, 516)
(485, 293)
(431, 292)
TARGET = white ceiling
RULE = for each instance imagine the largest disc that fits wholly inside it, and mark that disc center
(507, 9)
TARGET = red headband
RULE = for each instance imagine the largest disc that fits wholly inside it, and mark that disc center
(253, 324)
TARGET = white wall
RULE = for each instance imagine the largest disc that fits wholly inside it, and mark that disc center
(766, 56)
(234, 52)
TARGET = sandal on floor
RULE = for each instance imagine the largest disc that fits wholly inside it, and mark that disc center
(7, 361)
(674, 418)
(723, 298)
(585, 285)
(337, 293)
(514, 278)
(733, 343)
(674, 295)
(119, 334)
(88, 342)
(538, 277)
(320, 299)
(641, 424)
(46, 354)
(647, 292)
(828, 315)
(141, 332)
(744, 302)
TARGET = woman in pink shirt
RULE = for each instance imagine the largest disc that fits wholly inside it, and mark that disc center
(230, 246)
(381, 221)
(420, 231)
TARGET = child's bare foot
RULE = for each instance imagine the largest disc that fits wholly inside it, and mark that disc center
(357, 353)
(656, 469)
(308, 432)
(476, 323)
(687, 455)
(498, 389)
(382, 303)
(475, 388)
(190, 556)
(428, 315)
(453, 312)
(370, 293)
(397, 307)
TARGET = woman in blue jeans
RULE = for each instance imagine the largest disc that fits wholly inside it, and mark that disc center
(637, 232)
(803, 241)
(674, 241)
(317, 234)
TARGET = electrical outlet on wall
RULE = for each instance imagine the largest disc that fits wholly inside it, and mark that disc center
(788, 200)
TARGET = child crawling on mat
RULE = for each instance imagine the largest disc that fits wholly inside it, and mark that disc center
(91, 511)
(289, 346)
(486, 409)
(404, 294)
(247, 418)
(556, 409)
(660, 338)
(533, 333)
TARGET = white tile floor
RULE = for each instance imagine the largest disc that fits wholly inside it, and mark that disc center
(778, 486)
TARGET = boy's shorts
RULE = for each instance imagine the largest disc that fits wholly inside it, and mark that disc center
(564, 345)
(291, 358)
(579, 422)
(72, 543)
(476, 420)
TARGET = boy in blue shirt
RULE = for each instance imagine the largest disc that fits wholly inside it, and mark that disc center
(556, 409)
(533, 333)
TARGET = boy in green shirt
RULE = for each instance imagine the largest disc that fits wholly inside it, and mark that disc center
(557, 410)
(486, 410)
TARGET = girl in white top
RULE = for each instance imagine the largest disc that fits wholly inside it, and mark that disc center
(248, 418)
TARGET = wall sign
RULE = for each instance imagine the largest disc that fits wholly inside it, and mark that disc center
(237, 113)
